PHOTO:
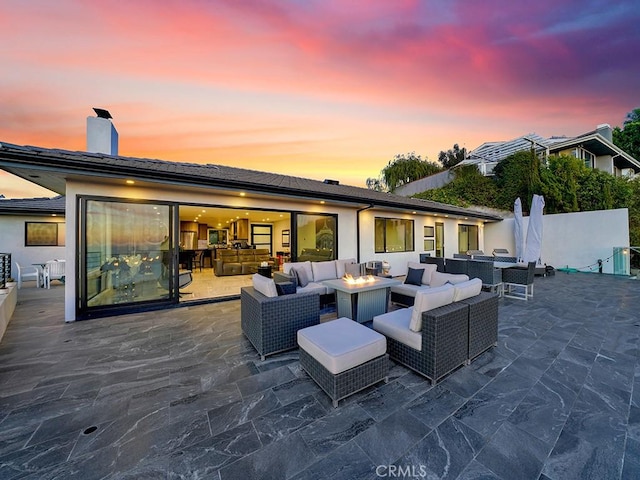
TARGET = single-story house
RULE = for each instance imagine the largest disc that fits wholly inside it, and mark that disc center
(135, 218)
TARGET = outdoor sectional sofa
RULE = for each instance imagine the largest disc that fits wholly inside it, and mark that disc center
(307, 276)
(405, 293)
(447, 327)
(271, 321)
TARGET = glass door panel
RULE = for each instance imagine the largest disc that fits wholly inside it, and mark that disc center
(126, 254)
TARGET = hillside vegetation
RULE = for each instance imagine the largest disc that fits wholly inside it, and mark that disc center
(567, 186)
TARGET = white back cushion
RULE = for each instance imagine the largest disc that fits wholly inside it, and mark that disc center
(467, 289)
(306, 265)
(324, 270)
(428, 300)
(428, 270)
(340, 266)
(264, 285)
(438, 278)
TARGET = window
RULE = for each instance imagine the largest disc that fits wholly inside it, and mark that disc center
(429, 240)
(587, 157)
(316, 237)
(393, 235)
(41, 234)
(467, 238)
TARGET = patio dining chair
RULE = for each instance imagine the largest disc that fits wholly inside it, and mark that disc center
(491, 276)
(27, 274)
(456, 265)
(54, 270)
(518, 281)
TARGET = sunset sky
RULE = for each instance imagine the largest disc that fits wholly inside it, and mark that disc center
(313, 88)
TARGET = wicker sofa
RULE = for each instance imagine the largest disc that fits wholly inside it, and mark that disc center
(271, 323)
(316, 272)
(446, 336)
(405, 293)
(240, 261)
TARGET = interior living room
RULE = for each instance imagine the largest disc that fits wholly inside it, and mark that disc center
(223, 247)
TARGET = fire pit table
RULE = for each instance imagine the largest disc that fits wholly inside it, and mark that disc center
(362, 298)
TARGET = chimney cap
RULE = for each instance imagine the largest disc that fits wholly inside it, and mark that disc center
(102, 113)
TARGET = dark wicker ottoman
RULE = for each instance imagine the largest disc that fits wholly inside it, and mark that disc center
(343, 357)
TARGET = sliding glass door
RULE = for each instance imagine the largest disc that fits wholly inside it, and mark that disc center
(126, 254)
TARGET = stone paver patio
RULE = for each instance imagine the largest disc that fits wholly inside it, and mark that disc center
(182, 394)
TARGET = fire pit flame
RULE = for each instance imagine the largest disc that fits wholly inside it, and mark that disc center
(359, 280)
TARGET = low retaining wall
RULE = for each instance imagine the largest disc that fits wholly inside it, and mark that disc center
(8, 301)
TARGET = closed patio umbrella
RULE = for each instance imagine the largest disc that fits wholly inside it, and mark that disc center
(533, 248)
(517, 229)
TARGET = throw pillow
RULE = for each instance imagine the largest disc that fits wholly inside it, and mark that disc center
(301, 274)
(265, 286)
(428, 300)
(428, 271)
(414, 276)
(285, 288)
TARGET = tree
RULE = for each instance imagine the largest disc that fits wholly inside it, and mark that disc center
(452, 157)
(376, 184)
(518, 175)
(628, 137)
(407, 168)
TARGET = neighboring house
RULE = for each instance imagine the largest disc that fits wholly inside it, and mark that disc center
(130, 215)
(596, 149)
(32, 230)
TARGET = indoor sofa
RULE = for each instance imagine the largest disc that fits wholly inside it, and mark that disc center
(240, 261)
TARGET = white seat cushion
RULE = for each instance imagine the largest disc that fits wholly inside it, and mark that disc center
(395, 325)
(313, 287)
(264, 285)
(428, 268)
(408, 289)
(428, 300)
(467, 289)
(324, 270)
(341, 344)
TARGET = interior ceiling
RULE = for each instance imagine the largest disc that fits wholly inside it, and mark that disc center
(216, 217)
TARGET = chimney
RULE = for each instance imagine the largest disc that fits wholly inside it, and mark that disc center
(102, 136)
(604, 129)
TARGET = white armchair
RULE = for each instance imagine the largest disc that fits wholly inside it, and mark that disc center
(27, 274)
(53, 270)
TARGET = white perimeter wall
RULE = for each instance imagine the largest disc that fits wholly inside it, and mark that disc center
(575, 240)
(12, 229)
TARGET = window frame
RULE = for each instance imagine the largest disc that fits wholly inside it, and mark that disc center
(409, 239)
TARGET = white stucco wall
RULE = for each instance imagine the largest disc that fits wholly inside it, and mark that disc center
(12, 236)
(398, 260)
(574, 240)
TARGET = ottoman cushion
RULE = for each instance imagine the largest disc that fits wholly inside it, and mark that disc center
(341, 344)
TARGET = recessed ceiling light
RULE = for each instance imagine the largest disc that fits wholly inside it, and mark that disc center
(130, 182)
(242, 194)
(322, 202)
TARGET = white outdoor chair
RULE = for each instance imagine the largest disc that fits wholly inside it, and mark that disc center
(28, 274)
(53, 270)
